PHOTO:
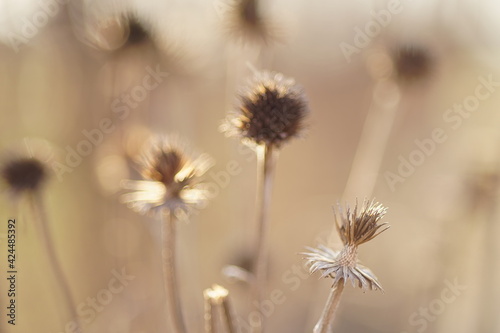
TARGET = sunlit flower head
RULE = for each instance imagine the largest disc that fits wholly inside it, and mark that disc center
(355, 228)
(271, 111)
(172, 180)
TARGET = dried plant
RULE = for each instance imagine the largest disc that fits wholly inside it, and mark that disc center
(172, 180)
(24, 175)
(137, 33)
(171, 188)
(355, 228)
(271, 112)
(218, 311)
(412, 63)
(245, 22)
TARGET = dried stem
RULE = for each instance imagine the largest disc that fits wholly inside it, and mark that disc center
(43, 228)
(373, 142)
(331, 306)
(210, 316)
(218, 311)
(267, 156)
(174, 310)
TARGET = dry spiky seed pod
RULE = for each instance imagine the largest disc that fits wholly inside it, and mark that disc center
(355, 228)
(244, 21)
(412, 63)
(24, 174)
(25, 166)
(137, 33)
(172, 180)
(271, 111)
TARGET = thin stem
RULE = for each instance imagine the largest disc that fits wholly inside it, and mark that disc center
(331, 306)
(228, 316)
(209, 317)
(488, 317)
(373, 142)
(174, 310)
(43, 228)
(267, 156)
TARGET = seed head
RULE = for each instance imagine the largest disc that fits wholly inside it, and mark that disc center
(271, 111)
(355, 228)
(24, 174)
(136, 32)
(244, 21)
(358, 227)
(412, 63)
(171, 179)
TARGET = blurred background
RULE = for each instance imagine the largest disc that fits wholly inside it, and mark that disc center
(404, 99)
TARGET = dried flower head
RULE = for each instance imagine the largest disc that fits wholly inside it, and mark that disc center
(24, 167)
(411, 63)
(358, 227)
(117, 32)
(24, 174)
(171, 179)
(244, 21)
(137, 33)
(271, 111)
(355, 228)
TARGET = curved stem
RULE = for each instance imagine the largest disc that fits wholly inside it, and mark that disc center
(267, 156)
(330, 308)
(43, 228)
(174, 310)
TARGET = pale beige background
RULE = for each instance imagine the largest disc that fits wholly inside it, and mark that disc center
(55, 87)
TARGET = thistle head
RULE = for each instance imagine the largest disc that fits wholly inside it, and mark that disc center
(411, 63)
(24, 167)
(24, 174)
(271, 111)
(172, 179)
(355, 228)
(244, 21)
(137, 33)
(360, 225)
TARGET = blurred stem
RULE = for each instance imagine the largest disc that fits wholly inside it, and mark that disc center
(488, 310)
(330, 308)
(373, 142)
(42, 225)
(218, 311)
(209, 317)
(174, 311)
(267, 157)
(228, 316)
